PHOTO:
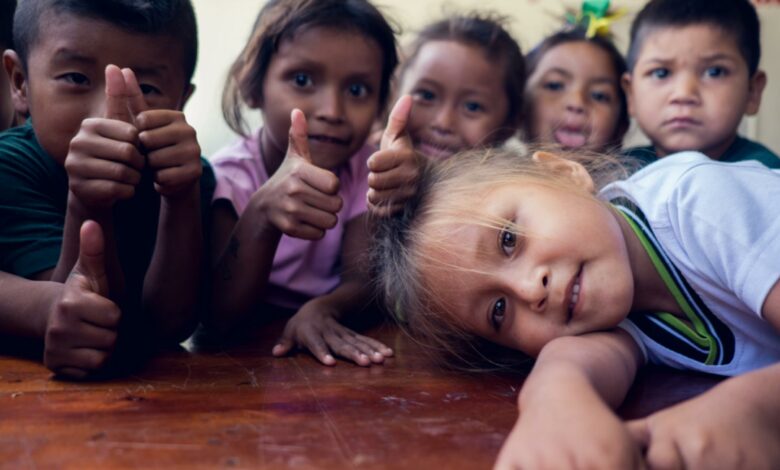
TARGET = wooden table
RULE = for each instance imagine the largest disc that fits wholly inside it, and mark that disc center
(239, 407)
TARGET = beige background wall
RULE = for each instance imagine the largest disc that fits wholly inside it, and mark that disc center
(225, 26)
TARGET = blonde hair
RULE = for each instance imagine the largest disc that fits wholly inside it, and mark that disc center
(448, 197)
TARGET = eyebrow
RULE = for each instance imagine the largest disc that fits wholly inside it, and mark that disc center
(69, 55)
(708, 58)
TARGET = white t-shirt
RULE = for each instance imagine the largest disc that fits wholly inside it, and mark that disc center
(718, 225)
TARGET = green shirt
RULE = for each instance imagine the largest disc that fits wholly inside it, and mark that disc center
(740, 150)
(33, 202)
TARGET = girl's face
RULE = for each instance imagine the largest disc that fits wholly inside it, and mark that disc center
(459, 99)
(567, 273)
(334, 77)
(573, 98)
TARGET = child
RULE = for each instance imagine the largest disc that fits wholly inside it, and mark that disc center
(460, 102)
(573, 97)
(8, 117)
(289, 209)
(104, 144)
(518, 251)
(466, 74)
(693, 73)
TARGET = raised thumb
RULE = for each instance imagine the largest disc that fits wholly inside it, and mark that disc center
(92, 262)
(397, 122)
(116, 95)
(298, 141)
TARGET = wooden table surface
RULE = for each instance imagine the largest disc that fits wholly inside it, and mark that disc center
(238, 407)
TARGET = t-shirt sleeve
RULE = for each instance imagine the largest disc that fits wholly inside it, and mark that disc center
(32, 208)
(235, 183)
(730, 222)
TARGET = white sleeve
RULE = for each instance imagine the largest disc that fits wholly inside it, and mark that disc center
(729, 223)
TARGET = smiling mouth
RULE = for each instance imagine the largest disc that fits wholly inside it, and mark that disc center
(328, 139)
(575, 293)
(436, 150)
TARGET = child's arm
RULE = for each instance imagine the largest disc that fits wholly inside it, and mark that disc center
(170, 290)
(316, 325)
(734, 425)
(395, 167)
(565, 417)
(104, 166)
(300, 200)
(76, 321)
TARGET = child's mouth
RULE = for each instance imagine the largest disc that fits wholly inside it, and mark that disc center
(326, 139)
(570, 138)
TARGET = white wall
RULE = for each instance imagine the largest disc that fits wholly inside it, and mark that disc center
(225, 26)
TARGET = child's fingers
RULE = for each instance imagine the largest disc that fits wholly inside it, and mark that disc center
(640, 432)
(348, 349)
(397, 121)
(135, 97)
(298, 143)
(320, 179)
(283, 346)
(389, 196)
(72, 373)
(314, 342)
(393, 179)
(116, 95)
(377, 346)
(372, 348)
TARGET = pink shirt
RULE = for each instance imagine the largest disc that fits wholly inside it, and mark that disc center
(302, 269)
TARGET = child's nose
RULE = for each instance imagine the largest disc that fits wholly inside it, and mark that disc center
(575, 101)
(531, 289)
(444, 120)
(330, 106)
(686, 86)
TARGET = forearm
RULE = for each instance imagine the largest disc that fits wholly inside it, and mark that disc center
(25, 305)
(600, 366)
(759, 388)
(75, 216)
(172, 282)
(242, 270)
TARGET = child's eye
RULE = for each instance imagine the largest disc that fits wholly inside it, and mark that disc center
(497, 313)
(423, 95)
(659, 73)
(147, 89)
(302, 80)
(601, 97)
(553, 86)
(715, 72)
(473, 107)
(75, 78)
(358, 90)
(507, 241)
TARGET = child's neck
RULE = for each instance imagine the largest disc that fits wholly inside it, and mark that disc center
(272, 155)
(650, 292)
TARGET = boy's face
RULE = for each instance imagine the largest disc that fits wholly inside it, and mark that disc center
(565, 272)
(690, 88)
(65, 79)
(459, 99)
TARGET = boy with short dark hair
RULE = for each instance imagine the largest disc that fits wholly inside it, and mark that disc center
(107, 144)
(693, 74)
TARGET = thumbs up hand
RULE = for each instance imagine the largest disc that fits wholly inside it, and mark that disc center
(103, 162)
(395, 168)
(300, 199)
(81, 329)
(170, 143)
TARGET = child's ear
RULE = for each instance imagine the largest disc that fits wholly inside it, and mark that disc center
(755, 90)
(187, 95)
(18, 81)
(625, 82)
(571, 170)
